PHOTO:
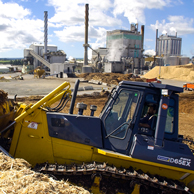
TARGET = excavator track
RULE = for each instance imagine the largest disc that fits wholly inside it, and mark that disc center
(108, 177)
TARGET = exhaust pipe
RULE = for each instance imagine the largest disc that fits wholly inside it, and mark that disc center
(74, 96)
(86, 36)
(45, 33)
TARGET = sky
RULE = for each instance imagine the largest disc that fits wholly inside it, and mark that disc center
(22, 23)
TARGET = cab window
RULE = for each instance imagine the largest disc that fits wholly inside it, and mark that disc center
(121, 113)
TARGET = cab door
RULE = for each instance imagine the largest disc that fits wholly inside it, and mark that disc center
(119, 119)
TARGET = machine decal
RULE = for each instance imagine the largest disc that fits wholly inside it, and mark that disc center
(164, 106)
(33, 125)
(163, 158)
(150, 147)
(181, 161)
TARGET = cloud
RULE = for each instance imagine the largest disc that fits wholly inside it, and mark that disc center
(4, 27)
(16, 29)
(76, 34)
(149, 52)
(97, 36)
(74, 13)
(179, 24)
(13, 10)
(134, 10)
(19, 33)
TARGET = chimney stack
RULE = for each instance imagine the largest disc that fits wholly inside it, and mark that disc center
(86, 36)
(156, 49)
(142, 37)
(45, 33)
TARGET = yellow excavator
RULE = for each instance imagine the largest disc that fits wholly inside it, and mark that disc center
(111, 153)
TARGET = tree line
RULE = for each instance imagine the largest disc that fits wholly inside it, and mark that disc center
(12, 62)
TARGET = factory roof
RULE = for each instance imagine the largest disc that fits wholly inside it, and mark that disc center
(3, 67)
(168, 37)
(35, 44)
(123, 31)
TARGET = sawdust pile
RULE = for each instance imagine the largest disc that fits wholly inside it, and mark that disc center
(3, 97)
(181, 72)
(186, 102)
(110, 78)
(189, 141)
(16, 177)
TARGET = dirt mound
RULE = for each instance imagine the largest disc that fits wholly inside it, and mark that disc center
(17, 177)
(181, 72)
(110, 78)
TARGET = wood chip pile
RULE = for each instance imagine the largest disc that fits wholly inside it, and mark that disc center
(180, 72)
(3, 97)
(17, 177)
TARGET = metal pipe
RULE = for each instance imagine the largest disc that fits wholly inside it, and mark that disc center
(74, 97)
(156, 49)
(142, 37)
(45, 33)
(86, 36)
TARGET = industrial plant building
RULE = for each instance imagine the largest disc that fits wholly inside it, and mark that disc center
(169, 45)
(48, 55)
(123, 50)
(168, 50)
(54, 60)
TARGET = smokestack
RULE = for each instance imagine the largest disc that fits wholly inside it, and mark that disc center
(45, 33)
(86, 36)
(176, 34)
(156, 49)
(142, 37)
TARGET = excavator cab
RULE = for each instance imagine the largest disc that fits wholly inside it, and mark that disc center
(158, 143)
(128, 103)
